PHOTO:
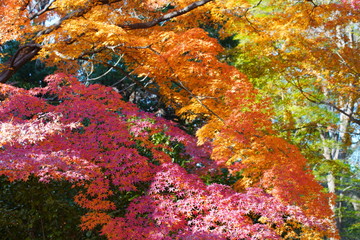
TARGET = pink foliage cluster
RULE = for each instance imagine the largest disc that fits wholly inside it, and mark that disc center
(355, 4)
(90, 124)
(90, 136)
(180, 206)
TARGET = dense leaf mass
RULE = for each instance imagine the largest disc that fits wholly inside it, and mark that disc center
(141, 176)
(89, 136)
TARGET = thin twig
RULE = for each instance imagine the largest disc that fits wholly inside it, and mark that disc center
(123, 72)
(107, 72)
(308, 97)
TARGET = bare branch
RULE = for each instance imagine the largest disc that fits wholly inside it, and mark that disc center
(123, 72)
(42, 11)
(107, 72)
(313, 99)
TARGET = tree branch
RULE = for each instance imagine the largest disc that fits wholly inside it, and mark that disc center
(165, 17)
(23, 55)
(26, 52)
(123, 72)
(180, 84)
(42, 11)
(317, 101)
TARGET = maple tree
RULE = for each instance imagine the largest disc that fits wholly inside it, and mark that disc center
(101, 144)
(305, 57)
(90, 136)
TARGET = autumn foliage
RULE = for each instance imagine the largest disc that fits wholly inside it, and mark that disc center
(91, 137)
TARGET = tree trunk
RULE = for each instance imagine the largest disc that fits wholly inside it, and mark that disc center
(341, 136)
(23, 55)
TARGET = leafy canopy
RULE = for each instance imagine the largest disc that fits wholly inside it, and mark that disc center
(90, 136)
(97, 141)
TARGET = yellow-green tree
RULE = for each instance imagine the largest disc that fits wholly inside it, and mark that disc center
(305, 56)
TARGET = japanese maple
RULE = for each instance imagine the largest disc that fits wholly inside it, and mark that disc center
(89, 135)
(305, 55)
